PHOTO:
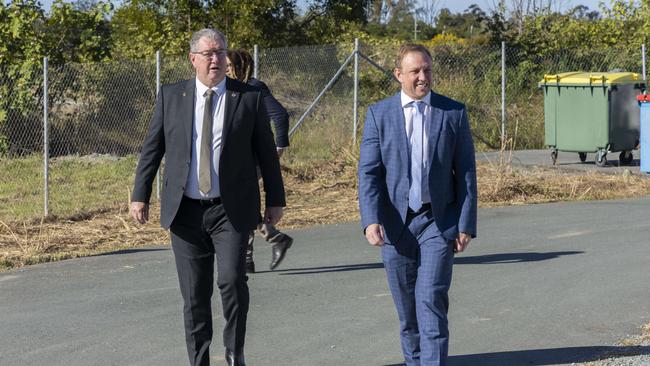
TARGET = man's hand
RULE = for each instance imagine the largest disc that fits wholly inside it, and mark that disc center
(375, 234)
(280, 150)
(272, 215)
(139, 211)
(462, 241)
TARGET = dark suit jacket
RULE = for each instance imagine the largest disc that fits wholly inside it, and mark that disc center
(277, 113)
(246, 136)
(384, 168)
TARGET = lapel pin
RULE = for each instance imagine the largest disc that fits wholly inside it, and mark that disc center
(233, 95)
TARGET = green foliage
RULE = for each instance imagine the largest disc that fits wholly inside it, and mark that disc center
(21, 48)
(142, 27)
(26, 36)
(468, 24)
(267, 23)
(74, 35)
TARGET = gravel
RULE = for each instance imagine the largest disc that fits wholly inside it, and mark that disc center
(632, 352)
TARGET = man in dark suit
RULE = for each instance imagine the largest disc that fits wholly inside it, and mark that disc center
(240, 67)
(417, 197)
(212, 131)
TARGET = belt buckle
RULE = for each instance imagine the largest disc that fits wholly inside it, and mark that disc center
(210, 201)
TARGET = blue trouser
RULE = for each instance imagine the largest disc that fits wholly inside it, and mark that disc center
(419, 268)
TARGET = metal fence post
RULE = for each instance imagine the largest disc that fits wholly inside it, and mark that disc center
(46, 145)
(325, 89)
(643, 60)
(356, 91)
(255, 61)
(158, 182)
(503, 92)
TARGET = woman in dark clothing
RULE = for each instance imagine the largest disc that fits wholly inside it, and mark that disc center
(240, 67)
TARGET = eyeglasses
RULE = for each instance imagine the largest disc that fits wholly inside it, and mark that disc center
(211, 53)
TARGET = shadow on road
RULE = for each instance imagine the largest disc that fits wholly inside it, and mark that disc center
(542, 357)
(481, 259)
(511, 257)
(131, 251)
(316, 270)
(545, 357)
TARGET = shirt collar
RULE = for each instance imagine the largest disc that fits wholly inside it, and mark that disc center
(218, 89)
(406, 100)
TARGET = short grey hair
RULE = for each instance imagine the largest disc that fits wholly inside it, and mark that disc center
(212, 34)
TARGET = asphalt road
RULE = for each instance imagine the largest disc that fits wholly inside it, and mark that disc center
(545, 284)
(565, 160)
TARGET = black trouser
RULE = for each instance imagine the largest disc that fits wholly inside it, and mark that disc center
(199, 232)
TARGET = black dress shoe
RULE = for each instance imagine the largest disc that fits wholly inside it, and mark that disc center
(235, 358)
(279, 249)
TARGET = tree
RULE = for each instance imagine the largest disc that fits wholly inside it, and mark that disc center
(267, 23)
(429, 11)
(141, 27)
(465, 25)
(21, 51)
(77, 35)
(386, 11)
(582, 12)
(326, 20)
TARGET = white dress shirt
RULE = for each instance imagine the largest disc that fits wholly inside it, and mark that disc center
(218, 110)
(408, 107)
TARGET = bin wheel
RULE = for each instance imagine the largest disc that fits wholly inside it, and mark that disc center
(601, 158)
(583, 157)
(554, 156)
(625, 158)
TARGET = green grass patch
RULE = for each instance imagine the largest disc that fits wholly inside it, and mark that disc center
(77, 185)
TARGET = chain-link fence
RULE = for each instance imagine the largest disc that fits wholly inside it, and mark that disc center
(296, 76)
(105, 108)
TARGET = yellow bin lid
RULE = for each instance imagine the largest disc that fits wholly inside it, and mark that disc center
(590, 78)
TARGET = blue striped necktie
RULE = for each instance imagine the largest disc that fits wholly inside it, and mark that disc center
(417, 134)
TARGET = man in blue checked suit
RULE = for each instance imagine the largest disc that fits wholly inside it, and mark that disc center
(417, 196)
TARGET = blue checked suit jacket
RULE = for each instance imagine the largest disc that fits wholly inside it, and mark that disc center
(384, 168)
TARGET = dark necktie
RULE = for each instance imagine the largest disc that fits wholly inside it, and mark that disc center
(205, 160)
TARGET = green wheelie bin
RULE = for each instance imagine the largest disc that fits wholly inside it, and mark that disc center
(593, 112)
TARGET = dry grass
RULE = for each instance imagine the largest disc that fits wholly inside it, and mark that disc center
(317, 194)
(504, 184)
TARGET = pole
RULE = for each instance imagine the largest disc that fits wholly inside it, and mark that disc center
(415, 28)
(356, 91)
(378, 67)
(643, 60)
(503, 92)
(46, 145)
(255, 61)
(325, 89)
(158, 180)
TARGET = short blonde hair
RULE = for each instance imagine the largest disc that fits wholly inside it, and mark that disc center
(408, 48)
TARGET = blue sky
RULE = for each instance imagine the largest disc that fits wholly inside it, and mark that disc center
(455, 6)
